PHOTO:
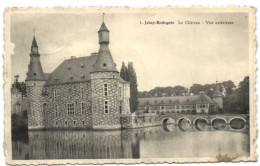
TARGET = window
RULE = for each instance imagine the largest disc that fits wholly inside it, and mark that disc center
(178, 107)
(82, 76)
(82, 92)
(147, 107)
(44, 107)
(56, 110)
(120, 91)
(83, 123)
(104, 65)
(66, 122)
(34, 74)
(69, 67)
(162, 107)
(105, 90)
(82, 108)
(106, 109)
(120, 107)
(55, 94)
(114, 76)
(74, 122)
(56, 122)
(70, 108)
(81, 65)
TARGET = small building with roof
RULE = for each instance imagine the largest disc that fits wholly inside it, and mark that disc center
(195, 104)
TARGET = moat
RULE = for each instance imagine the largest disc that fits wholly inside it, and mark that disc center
(168, 141)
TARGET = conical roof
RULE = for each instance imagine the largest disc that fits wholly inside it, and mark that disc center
(35, 71)
(34, 43)
(217, 92)
(103, 27)
(104, 60)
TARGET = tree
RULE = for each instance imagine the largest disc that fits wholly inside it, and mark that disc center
(196, 89)
(238, 101)
(243, 92)
(179, 90)
(133, 87)
(21, 86)
(229, 86)
(124, 72)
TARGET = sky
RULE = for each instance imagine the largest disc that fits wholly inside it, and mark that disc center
(163, 55)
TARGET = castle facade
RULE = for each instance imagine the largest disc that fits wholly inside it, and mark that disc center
(85, 92)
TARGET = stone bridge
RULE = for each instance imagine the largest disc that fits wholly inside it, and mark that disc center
(176, 118)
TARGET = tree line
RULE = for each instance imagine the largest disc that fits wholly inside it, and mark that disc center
(226, 88)
(235, 99)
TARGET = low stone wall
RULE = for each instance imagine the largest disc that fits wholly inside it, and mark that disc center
(138, 121)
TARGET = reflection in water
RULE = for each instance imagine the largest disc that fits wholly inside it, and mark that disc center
(161, 142)
(237, 124)
(168, 127)
(184, 124)
(201, 124)
(219, 124)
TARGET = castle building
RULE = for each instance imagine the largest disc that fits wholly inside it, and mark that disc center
(85, 92)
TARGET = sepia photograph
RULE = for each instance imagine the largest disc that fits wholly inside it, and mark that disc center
(129, 85)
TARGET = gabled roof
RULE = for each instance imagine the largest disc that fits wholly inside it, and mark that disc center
(73, 70)
(173, 100)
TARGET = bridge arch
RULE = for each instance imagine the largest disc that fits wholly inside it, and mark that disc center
(170, 120)
(237, 126)
(180, 119)
(211, 122)
(194, 121)
(237, 118)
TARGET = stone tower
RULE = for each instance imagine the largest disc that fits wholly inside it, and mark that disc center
(35, 81)
(217, 96)
(105, 86)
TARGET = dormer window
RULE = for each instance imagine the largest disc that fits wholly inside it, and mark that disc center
(34, 74)
(82, 76)
(81, 65)
(69, 67)
(104, 65)
(55, 78)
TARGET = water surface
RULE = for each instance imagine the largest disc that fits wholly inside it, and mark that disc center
(167, 141)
